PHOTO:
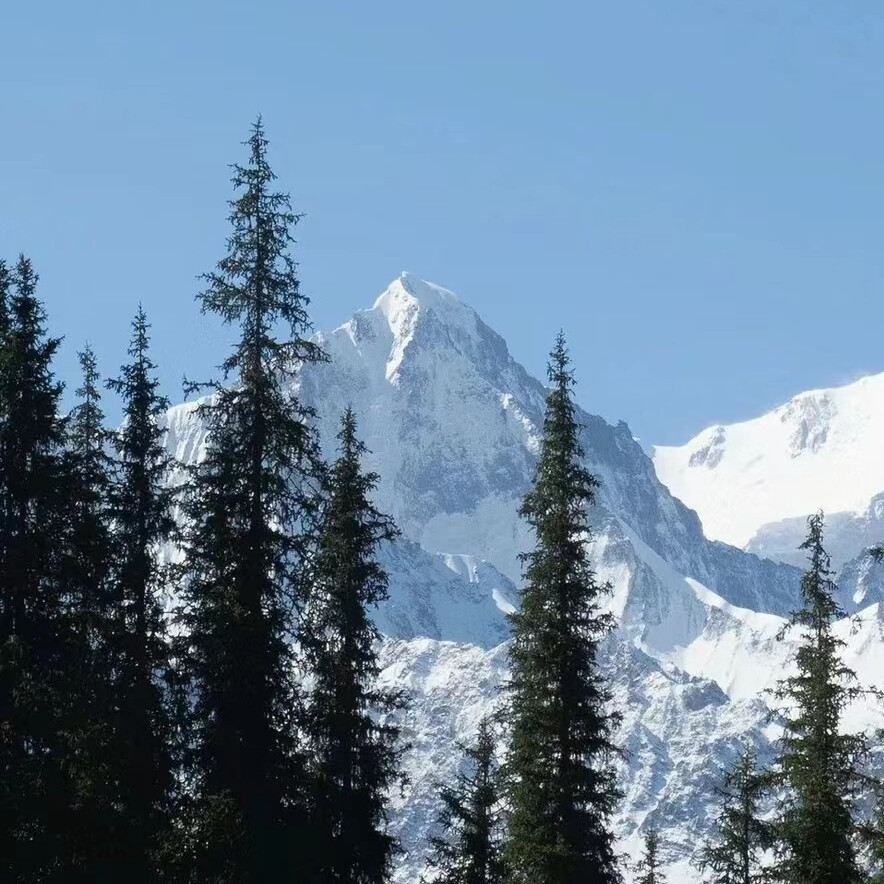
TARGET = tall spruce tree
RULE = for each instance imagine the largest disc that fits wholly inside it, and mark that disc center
(563, 791)
(249, 508)
(94, 818)
(733, 856)
(8, 740)
(89, 553)
(356, 753)
(819, 766)
(649, 869)
(141, 508)
(468, 848)
(35, 790)
(5, 294)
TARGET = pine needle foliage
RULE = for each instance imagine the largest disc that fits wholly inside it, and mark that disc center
(734, 855)
(563, 791)
(35, 787)
(649, 868)
(141, 509)
(468, 846)
(356, 750)
(250, 506)
(819, 766)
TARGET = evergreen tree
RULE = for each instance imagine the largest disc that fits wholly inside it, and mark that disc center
(649, 869)
(469, 848)
(93, 818)
(563, 785)
(6, 281)
(818, 765)
(141, 509)
(88, 552)
(250, 505)
(734, 856)
(356, 755)
(34, 788)
(8, 740)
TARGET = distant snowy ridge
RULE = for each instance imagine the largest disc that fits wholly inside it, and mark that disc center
(821, 450)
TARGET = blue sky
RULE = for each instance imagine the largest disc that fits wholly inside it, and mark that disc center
(693, 190)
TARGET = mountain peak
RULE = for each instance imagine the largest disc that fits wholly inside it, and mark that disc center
(413, 315)
(409, 294)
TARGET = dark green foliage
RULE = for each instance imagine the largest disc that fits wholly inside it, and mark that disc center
(92, 754)
(141, 510)
(89, 549)
(5, 295)
(249, 508)
(649, 869)
(469, 846)
(733, 857)
(355, 754)
(871, 836)
(563, 785)
(34, 786)
(819, 766)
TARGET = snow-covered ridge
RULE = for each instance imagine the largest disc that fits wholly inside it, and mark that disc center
(821, 450)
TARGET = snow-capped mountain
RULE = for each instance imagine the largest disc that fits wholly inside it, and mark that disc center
(453, 425)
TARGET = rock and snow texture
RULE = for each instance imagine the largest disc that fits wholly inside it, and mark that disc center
(453, 424)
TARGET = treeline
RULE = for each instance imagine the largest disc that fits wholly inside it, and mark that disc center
(189, 683)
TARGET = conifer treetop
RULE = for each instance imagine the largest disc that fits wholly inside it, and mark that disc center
(649, 869)
(88, 418)
(135, 383)
(256, 284)
(27, 318)
(467, 847)
(733, 856)
(5, 289)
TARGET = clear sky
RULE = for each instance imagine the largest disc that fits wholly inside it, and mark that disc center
(693, 189)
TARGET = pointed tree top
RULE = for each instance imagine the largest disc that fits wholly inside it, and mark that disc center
(140, 333)
(558, 370)
(89, 366)
(257, 142)
(350, 444)
(5, 283)
(87, 356)
(814, 540)
(817, 586)
(26, 277)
